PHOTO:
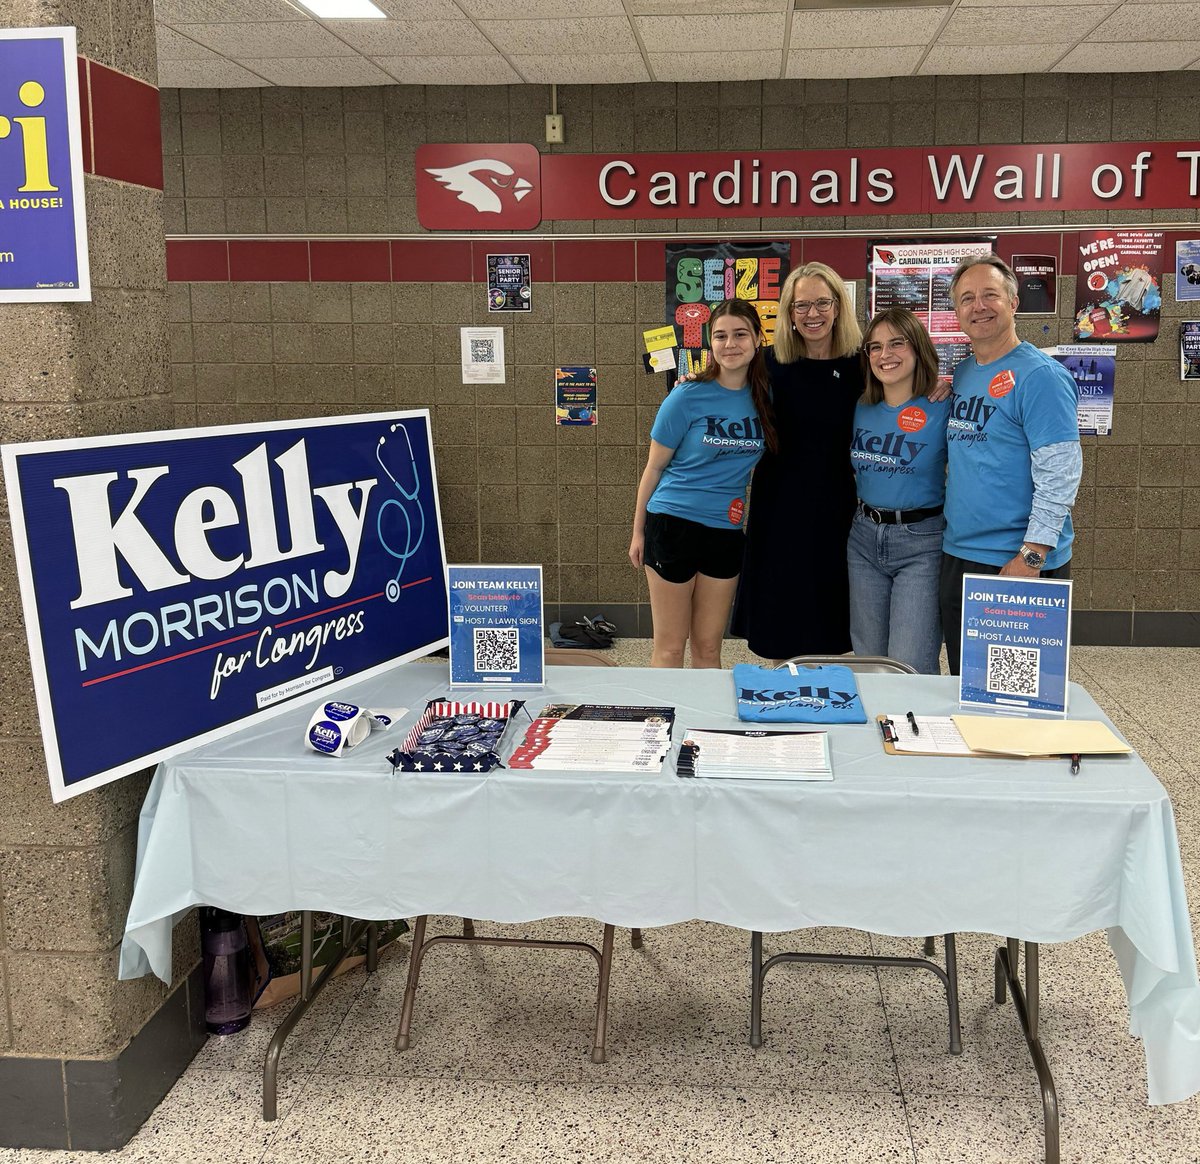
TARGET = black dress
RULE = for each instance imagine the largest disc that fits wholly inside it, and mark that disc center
(793, 597)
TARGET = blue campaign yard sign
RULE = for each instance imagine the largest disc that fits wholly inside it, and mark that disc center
(1016, 643)
(177, 585)
(496, 625)
(43, 228)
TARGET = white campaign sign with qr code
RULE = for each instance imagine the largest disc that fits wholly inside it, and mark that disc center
(1016, 642)
(496, 625)
(482, 355)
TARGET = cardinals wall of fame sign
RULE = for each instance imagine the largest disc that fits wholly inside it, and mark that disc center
(479, 187)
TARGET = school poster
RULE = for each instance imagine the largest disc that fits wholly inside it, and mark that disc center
(701, 275)
(1118, 286)
(510, 283)
(1187, 269)
(43, 231)
(916, 274)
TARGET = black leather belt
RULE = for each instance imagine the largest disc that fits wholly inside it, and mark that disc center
(896, 516)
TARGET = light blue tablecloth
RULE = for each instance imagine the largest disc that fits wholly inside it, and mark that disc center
(895, 845)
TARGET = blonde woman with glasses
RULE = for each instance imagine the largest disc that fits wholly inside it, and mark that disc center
(792, 598)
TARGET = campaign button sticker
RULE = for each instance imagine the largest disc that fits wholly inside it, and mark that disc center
(341, 710)
(325, 736)
(911, 419)
(737, 510)
(1002, 384)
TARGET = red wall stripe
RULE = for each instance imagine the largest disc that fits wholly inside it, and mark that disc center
(262, 261)
(594, 262)
(197, 261)
(436, 261)
(350, 262)
(85, 113)
(126, 128)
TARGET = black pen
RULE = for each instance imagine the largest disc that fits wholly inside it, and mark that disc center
(889, 731)
(1075, 764)
(912, 723)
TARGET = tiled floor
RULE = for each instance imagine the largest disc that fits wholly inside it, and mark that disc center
(854, 1067)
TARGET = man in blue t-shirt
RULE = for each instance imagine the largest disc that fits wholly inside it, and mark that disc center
(1013, 454)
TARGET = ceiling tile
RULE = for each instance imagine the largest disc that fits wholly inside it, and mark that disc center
(450, 70)
(174, 47)
(1146, 22)
(682, 34)
(223, 11)
(875, 61)
(713, 7)
(731, 65)
(539, 9)
(217, 73)
(412, 38)
(1000, 58)
(299, 38)
(594, 69)
(1053, 25)
(833, 29)
(425, 9)
(319, 71)
(1135, 57)
(590, 34)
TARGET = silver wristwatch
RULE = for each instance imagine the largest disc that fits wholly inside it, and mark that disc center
(1032, 558)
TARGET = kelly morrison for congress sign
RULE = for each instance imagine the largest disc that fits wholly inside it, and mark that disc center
(178, 585)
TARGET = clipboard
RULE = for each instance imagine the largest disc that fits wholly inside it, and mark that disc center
(892, 750)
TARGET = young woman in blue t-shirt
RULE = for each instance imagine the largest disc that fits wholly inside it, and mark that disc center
(691, 502)
(898, 451)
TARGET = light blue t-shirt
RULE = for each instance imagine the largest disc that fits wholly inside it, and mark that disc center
(717, 438)
(999, 413)
(899, 454)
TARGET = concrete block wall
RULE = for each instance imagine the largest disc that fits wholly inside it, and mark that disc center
(325, 162)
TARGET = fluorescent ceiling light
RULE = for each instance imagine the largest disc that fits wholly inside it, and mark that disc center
(343, 9)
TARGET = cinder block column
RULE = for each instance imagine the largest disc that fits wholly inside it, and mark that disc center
(74, 1042)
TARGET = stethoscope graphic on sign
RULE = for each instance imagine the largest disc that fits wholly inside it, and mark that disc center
(412, 542)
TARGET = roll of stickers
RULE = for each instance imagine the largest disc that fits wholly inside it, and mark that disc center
(337, 727)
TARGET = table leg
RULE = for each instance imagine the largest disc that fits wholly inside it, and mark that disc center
(756, 986)
(1026, 1005)
(599, 1048)
(635, 938)
(410, 988)
(308, 995)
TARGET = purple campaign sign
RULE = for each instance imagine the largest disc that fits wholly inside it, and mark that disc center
(43, 232)
(177, 585)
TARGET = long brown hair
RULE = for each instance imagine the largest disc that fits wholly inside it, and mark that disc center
(789, 347)
(902, 321)
(756, 373)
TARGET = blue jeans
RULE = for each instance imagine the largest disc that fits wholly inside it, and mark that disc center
(894, 572)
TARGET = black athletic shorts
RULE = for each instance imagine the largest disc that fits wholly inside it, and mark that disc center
(677, 549)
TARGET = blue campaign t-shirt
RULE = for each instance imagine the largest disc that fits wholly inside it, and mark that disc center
(899, 453)
(717, 438)
(999, 413)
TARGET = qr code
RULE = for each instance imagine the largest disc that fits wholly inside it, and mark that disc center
(497, 649)
(483, 351)
(1013, 670)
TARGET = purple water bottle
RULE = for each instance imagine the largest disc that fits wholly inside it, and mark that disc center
(227, 1001)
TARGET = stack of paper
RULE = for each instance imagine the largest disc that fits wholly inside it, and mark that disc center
(750, 753)
(596, 737)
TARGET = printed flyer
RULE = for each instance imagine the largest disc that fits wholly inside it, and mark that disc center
(1118, 292)
(1016, 640)
(1189, 349)
(700, 275)
(916, 274)
(495, 625)
(509, 283)
(1187, 270)
(1093, 367)
(575, 396)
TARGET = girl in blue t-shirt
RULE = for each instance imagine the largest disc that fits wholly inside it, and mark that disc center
(691, 502)
(898, 451)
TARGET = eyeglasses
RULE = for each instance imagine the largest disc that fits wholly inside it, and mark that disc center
(893, 346)
(804, 306)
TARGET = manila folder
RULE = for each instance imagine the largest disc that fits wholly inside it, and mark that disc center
(1038, 737)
